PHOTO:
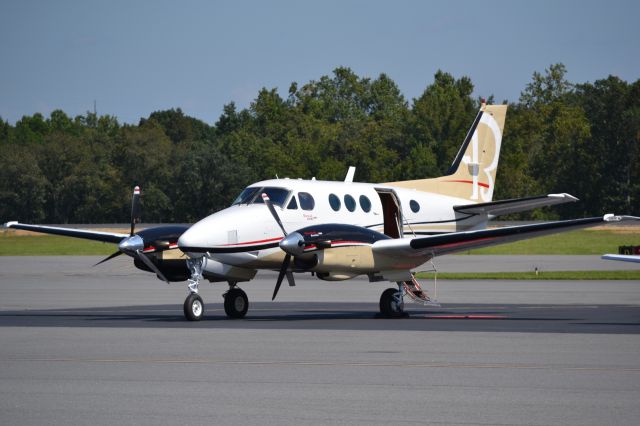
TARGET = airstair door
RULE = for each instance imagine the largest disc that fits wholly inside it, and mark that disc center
(392, 212)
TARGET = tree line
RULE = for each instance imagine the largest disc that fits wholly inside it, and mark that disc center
(583, 139)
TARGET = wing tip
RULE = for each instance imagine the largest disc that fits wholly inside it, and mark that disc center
(564, 196)
(610, 217)
(10, 224)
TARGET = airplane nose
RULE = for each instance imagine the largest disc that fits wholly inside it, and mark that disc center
(191, 241)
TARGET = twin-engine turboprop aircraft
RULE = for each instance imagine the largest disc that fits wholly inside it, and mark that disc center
(339, 230)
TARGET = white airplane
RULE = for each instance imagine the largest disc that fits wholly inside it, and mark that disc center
(339, 230)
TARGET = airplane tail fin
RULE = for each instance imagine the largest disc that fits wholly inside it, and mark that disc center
(472, 174)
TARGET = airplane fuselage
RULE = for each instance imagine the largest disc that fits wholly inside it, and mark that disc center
(245, 234)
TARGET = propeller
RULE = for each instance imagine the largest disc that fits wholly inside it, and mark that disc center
(289, 241)
(135, 209)
(134, 244)
(135, 218)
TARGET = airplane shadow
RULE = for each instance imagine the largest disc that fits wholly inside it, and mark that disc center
(618, 319)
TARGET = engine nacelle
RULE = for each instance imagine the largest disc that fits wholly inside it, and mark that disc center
(217, 271)
(350, 260)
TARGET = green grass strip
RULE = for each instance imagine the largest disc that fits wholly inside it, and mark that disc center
(546, 275)
(52, 245)
(581, 242)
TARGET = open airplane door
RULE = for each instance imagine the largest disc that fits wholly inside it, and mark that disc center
(392, 212)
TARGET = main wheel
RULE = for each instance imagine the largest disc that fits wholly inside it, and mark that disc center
(236, 303)
(390, 306)
(193, 307)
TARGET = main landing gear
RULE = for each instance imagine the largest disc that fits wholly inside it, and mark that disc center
(392, 300)
(236, 302)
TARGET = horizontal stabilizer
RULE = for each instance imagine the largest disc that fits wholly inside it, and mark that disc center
(496, 208)
(106, 237)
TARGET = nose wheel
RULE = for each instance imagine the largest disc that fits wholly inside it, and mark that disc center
(193, 307)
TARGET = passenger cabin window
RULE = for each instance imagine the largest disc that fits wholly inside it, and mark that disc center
(334, 202)
(293, 204)
(349, 203)
(365, 203)
(306, 201)
(415, 207)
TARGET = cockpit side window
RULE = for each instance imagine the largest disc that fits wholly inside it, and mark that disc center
(277, 195)
(246, 196)
(293, 204)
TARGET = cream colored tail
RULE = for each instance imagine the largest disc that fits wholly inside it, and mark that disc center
(472, 175)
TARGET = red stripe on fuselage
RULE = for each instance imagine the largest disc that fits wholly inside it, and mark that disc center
(269, 240)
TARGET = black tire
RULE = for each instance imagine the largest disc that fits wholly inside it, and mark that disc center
(236, 303)
(193, 307)
(389, 308)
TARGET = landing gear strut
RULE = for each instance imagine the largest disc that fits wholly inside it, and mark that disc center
(193, 304)
(392, 302)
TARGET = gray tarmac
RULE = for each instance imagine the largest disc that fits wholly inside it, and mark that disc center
(107, 345)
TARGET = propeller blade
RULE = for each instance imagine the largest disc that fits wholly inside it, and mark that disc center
(292, 282)
(151, 265)
(283, 272)
(267, 201)
(116, 254)
(135, 208)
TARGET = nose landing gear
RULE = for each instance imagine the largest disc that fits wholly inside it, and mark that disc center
(193, 307)
(193, 304)
(236, 302)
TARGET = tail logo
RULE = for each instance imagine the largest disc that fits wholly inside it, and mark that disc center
(484, 190)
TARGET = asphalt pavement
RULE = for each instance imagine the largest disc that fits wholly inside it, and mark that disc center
(109, 345)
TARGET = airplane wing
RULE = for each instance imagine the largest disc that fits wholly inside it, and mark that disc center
(106, 237)
(622, 257)
(495, 208)
(437, 245)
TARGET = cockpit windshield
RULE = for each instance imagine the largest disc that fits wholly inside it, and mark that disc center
(277, 195)
(253, 195)
(246, 196)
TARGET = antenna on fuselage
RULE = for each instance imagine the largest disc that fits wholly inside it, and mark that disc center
(350, 173)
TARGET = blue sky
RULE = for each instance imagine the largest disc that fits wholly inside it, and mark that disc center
(136, 57)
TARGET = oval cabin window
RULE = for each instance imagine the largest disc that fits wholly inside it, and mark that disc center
(349, 203)
(334, 202)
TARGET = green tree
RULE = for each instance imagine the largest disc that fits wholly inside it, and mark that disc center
(441, 117)
(22, 185)
(179, 127)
